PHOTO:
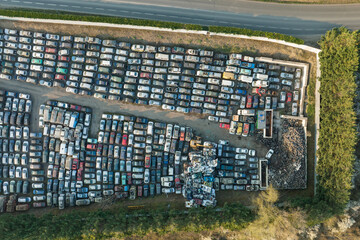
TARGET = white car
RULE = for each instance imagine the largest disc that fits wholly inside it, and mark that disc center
(242, 150)
(168, 107)
(147, 176)
(269, 154)
(72, 90)
(286, 82)
(240, 156)
(252, 153)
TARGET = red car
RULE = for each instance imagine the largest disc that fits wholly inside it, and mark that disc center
(182, 136)
(60, 77)
(99, 150)
(139, 191)
(124, 140)
(145, 75)
(75, 107)
(210, 99)
(91, 146)
(129, 178)
(246, 129)
(288, 97)
(224, 125)
(80, 172)
(63, 58)
(50, 50)
(249, 101)
(177, 181)
(75, 164)
(112, 138)
(147, 161)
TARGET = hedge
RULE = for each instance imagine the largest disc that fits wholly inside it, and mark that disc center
(142, 22)
(337, 135)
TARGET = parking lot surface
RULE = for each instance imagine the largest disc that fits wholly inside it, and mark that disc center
(128, 120)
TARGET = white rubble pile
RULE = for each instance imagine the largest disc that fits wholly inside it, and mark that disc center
(199, 178)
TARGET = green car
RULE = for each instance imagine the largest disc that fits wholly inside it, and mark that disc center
(7, 64)
(116, 79)
(36, 61)
(62, 70)
(104, 70)
(123, 179)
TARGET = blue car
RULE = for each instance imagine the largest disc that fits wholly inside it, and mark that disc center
(247, 65)
(82, 195)
(38, 192)
(49, 185)
(103, 76)
(82, 190)
(184, 97)
(241, 91)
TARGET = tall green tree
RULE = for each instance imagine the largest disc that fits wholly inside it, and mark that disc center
(339, 60)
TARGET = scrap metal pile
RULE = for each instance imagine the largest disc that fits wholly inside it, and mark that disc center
(288, 167)
(199, 177)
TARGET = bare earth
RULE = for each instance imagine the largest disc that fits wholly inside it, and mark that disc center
(204, 128)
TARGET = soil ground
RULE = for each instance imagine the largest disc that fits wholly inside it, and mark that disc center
(202, 127)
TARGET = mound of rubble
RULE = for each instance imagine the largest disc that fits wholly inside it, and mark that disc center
(287, 167)
(199, 178)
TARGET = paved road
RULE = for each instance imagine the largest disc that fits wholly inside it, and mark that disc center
(307, 21)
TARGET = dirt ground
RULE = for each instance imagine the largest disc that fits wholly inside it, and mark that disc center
(202, 127)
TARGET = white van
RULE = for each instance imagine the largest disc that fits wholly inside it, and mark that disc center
(38, 68)
(86, 86)
(162, 56)
(88, 74)
(227, 83)
(247, 79)
(105, 63)
(260, 76)
(101, 89)
(150, 128)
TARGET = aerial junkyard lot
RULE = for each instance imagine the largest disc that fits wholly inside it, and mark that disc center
(74, 161)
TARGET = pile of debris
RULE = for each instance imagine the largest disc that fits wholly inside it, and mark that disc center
(199, 177)
(288, 171)
(287, 167)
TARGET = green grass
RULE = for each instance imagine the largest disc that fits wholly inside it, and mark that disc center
(48, 14)
(120, 223)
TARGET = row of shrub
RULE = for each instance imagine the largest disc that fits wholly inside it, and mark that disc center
(119, 223)
(142, 22)
(339, 60)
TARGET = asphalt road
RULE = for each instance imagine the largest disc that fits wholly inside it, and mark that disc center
(307, 21)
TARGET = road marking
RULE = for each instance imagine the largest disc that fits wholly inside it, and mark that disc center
(62, 5)
(99, 8)
(76, 6)
(51, 4)
(27, 2)
(88, 7)
(40, 3)
(149, 14)
(14, 1)
(112, 10)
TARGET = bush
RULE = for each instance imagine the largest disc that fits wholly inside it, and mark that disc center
(337, 138)
(141, 22)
